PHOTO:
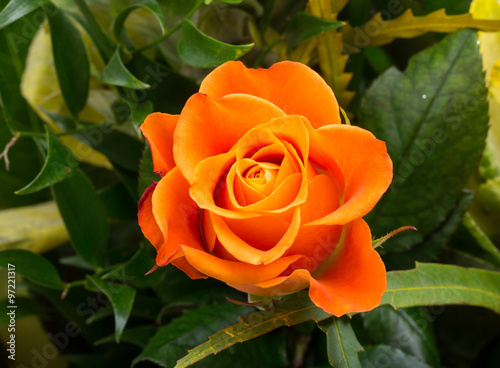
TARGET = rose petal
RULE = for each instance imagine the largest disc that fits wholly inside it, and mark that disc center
(235, 272)
(293, 87)
(364, 165)
(356, 279)
(209, 187)
(158, 128)
(316, 243)
(209, 127)
(248, 253)
(147, 221)
(184, 265)
(176, 215)
(323, 199)
(211, 193)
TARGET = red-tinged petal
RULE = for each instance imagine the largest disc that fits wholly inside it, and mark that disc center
(249, 253)
(233, 272)
(158, 128)
(147, 221)
(355, 161)
(355, 280)
(293, 87)
(209, 127)
(176, 215)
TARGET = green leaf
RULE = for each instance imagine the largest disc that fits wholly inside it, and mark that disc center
(383, 356)
(343, 346)
(139, 111)
(434, 244)
(121, 297)
(24, 307)
(71, 62)
(119, 204)
(439, 284)
(151, 5)
(287, 313)
(134, 270)
(16, 9)
(434, 119)
(409, 330)
(169, 90)
(486, 248)
(269, 350)
(304, 26)
(136, 336)
(117, 74)
(15, 111)
(173, 340)
(76, 261)
(198, 49)
(59, 164)
(32, 266)
(84, 216)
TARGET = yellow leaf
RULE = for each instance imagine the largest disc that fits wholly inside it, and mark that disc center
(331, 60)
(38, 228)
(41, 89)
(490, 49)
(377, 32)
(338, 5)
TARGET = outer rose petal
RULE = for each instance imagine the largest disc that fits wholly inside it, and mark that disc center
(158, 128)
(356, 280)
(234, 272)
(364, 163)
(147, 220)
(293, 87)
(209, 127)
(176, 215)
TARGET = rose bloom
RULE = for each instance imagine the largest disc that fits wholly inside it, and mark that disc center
(263, 188)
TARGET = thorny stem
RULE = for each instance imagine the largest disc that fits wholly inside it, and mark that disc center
(171, 30)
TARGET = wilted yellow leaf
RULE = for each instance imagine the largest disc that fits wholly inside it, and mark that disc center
(38, 228)
(377, 31)
(332, 61)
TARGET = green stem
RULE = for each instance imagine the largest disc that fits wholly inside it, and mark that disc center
(97, 34)
(171, 30)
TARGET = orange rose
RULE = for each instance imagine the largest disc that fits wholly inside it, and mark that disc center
(264, 189)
